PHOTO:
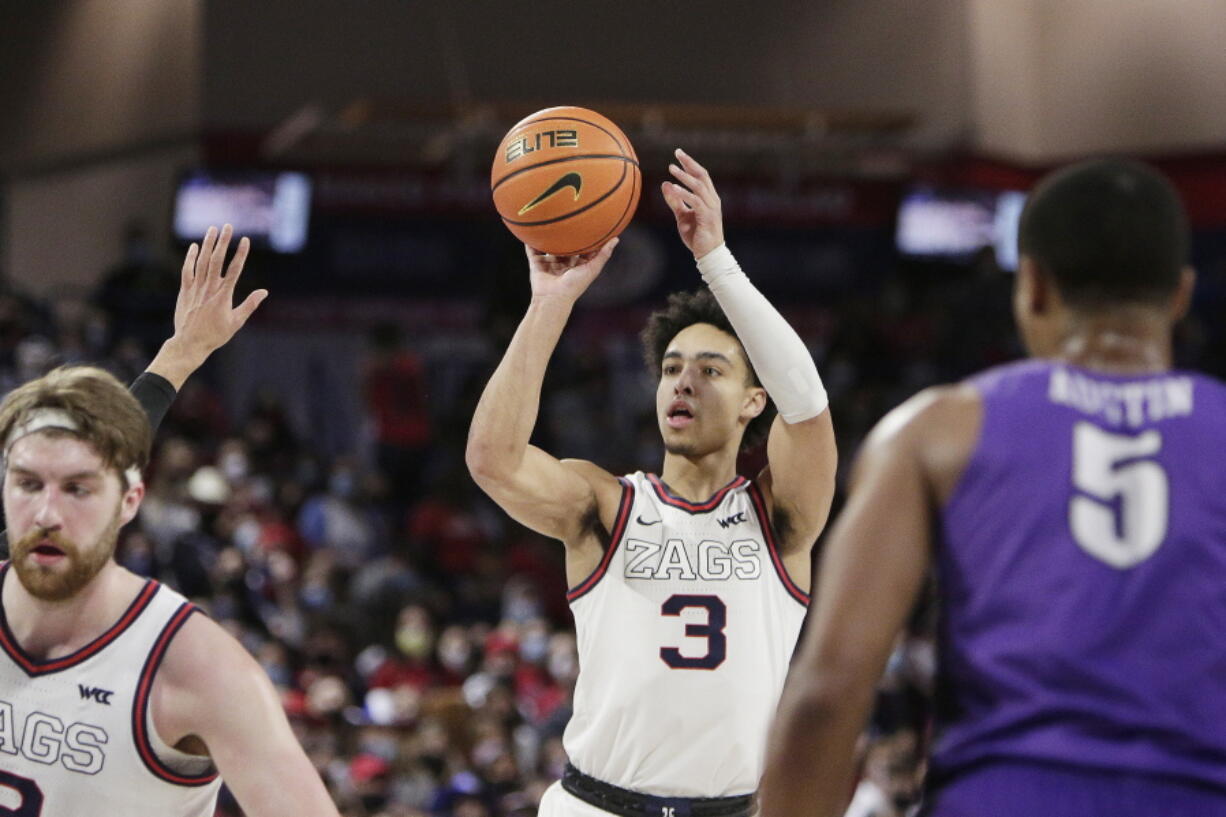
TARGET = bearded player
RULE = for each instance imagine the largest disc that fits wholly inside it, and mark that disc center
(688, 587)
(117, 696)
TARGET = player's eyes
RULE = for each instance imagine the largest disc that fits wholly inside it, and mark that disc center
(711, 371)
(30, 485)
(78, 490)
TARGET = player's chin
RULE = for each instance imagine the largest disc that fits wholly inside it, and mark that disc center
(679, 444)
(50, 584)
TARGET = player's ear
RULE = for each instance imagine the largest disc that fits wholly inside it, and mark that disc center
(129, 503)
(1182, 299)
(1032, 291)
(755, 402)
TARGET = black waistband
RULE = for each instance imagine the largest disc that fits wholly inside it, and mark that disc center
(628, 803)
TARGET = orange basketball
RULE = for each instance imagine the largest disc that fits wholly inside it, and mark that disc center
(565, 180)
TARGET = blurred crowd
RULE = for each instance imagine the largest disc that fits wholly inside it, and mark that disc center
(419, 638)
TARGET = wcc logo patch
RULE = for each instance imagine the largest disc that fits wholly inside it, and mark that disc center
(102, 696)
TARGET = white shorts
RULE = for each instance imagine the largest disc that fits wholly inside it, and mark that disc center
(558, 802)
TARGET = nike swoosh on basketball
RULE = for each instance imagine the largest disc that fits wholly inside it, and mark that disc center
(643, 521)
(571, 179)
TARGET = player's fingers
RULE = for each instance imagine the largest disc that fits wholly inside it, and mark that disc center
(692, 167)
(589, 265)
(236, 263)
(200, 277)
(536, 258)
(188, 273)
(206, 247)
(531, 253)
(696, 178)
(670, 198)
(687, 179)
(218, 258)
(680, 199)
(248, 306)
(605, 252)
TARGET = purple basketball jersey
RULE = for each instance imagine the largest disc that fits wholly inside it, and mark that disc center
(1082, 563)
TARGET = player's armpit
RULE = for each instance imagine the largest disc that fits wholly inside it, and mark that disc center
(551, 496)
(873, 567)
(799, 479)
(210, 688)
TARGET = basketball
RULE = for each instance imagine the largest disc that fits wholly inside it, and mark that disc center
(565, 180)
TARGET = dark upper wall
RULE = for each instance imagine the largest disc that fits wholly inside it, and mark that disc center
(269, 58)
(96, 77)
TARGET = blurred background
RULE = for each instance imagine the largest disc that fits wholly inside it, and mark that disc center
(308, 486)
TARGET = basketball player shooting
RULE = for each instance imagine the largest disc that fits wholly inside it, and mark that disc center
(1077, 525)
(116, 696)
(688, 588)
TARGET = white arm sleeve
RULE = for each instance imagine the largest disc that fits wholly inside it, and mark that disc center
(783, 363)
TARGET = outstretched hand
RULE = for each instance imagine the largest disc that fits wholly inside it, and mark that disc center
(565, 276)
(695, 205)
(205, 318)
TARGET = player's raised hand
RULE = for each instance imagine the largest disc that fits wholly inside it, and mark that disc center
(565, 276)
(695, 205)
(205, 318)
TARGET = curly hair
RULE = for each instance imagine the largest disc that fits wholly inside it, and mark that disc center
(686, 309)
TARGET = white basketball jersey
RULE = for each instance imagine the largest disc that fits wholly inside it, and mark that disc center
(76, 736)
(685, 631)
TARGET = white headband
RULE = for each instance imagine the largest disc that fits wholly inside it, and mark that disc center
(43, 418)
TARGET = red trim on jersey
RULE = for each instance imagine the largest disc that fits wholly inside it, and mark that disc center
(140, 706)
(669, 498)
(619, 528)
(34, 667)
(759, 504)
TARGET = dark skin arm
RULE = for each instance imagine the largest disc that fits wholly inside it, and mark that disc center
(871, 573)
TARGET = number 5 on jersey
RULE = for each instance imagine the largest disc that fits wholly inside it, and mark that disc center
(713, 631)
(1120, 515)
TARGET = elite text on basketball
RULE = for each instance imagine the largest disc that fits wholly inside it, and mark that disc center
(534, 142)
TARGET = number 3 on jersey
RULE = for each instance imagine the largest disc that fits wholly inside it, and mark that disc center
(1118, 468)
(713, 631)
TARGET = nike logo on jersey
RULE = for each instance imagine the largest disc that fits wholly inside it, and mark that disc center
(709, 561)
(102, 696)
(566, 180)
(643, 521)
(729, 521)
(47, 739)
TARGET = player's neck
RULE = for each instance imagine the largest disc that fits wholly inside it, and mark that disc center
(52, 629)
(1126, 340)
(698, 478)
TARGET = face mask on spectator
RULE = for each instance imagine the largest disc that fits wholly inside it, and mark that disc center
(413, 641)
(562, 665)
(453, 654)
(233, 465)
(534, 647)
